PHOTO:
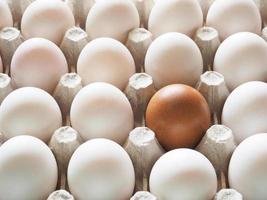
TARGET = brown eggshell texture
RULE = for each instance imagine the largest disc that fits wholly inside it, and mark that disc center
(179, 115)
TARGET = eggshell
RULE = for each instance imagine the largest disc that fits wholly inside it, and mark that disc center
(245, 110)
(6, 19)
(242, 58)
(28, 169)
(183, 174)
(38, 62)
(184, 16)
(106, 60)
(101, 110)
(29, 111)
(173, 58)
(112, 18)
(101, 169)
(248, 167)
(229, 17)
(179, 115)
(48, 19)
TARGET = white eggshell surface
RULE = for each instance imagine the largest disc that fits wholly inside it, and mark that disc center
(29, 111)
(183, 174)
(39, 63)
(184, 16)
(28, 169)
(48, 19)
(173, 58)
(245, 110)
(101, 110)
(106, 60)
(248, 168)
(242, 58)
(112, 18)
(101, 169)
(229, 17)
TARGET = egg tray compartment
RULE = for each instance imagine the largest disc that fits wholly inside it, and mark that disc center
(142, 146)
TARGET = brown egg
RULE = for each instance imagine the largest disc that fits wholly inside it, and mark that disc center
(179, 115)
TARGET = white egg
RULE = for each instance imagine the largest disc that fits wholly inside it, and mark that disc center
(106, 60)
(245, 110)
(173, 58)
(48, 19)
(6, 19)
(39, 63)
(101, 169)
(229, 17)
(184, 16)
(112, 18)
(183, 174)
(101, 110)
(242, 58)
(29, 111)
(247, 171)
(28, 169)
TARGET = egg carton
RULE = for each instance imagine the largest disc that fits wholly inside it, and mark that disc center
(142, 146)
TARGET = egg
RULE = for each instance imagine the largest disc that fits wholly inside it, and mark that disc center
(242, 58)
(184, 16)
(48, 19)
(247, 171)
(179, 115)
(173, 58)
(183, 174)
(6, 19)
(38, 62)
(112, 18)
(101, 110)
(106, 60)
(29, 111)
(101, 169)
(245, 109)
(229, 17)
(28, 169)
